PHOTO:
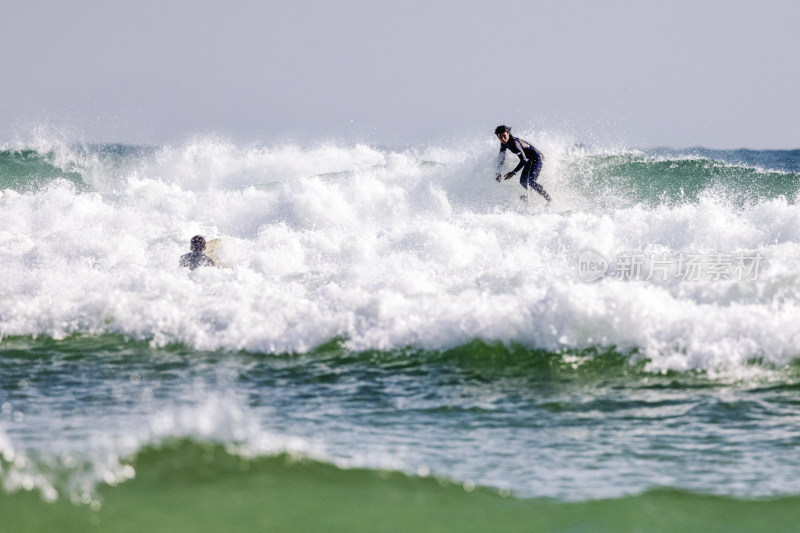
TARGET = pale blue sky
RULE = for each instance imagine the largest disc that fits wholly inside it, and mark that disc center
(721, 74)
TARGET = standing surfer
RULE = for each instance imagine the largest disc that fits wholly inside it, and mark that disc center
(530, 160)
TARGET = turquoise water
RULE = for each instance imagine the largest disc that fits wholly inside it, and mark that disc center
(394, 329)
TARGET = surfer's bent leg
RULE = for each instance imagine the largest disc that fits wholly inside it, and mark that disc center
(530, 172)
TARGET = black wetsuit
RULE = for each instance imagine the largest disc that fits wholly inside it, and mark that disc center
(196, 259)
(530, 161)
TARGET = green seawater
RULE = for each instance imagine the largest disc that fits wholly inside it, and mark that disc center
(740, 178)
(27, 170)
(186, 486)
(562, 433)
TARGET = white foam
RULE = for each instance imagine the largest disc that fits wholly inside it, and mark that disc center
(73, 468)
(19, 472)
(374, 246)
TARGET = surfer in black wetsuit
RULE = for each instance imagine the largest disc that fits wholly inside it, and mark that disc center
(530, 160)
(196, 258)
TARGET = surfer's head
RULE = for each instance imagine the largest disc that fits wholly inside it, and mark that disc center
(198, 243)
(503, 133)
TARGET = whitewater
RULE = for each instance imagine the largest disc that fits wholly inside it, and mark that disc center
(394, 248)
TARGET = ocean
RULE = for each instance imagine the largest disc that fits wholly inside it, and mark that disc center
(395, 341)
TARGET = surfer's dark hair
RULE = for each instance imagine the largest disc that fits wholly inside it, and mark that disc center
(198, 243)
(501, 129)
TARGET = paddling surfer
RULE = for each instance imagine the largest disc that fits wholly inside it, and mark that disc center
(196, 258)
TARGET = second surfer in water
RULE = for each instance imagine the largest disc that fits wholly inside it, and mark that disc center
(530, 160)
(196, 258)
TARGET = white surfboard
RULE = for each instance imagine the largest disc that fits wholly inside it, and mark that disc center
(215, 249)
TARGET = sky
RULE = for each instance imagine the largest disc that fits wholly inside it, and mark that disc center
(719, 74)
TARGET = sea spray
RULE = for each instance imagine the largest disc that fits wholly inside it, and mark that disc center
(390, 249)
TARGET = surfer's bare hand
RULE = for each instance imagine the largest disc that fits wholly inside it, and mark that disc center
(509, 175)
